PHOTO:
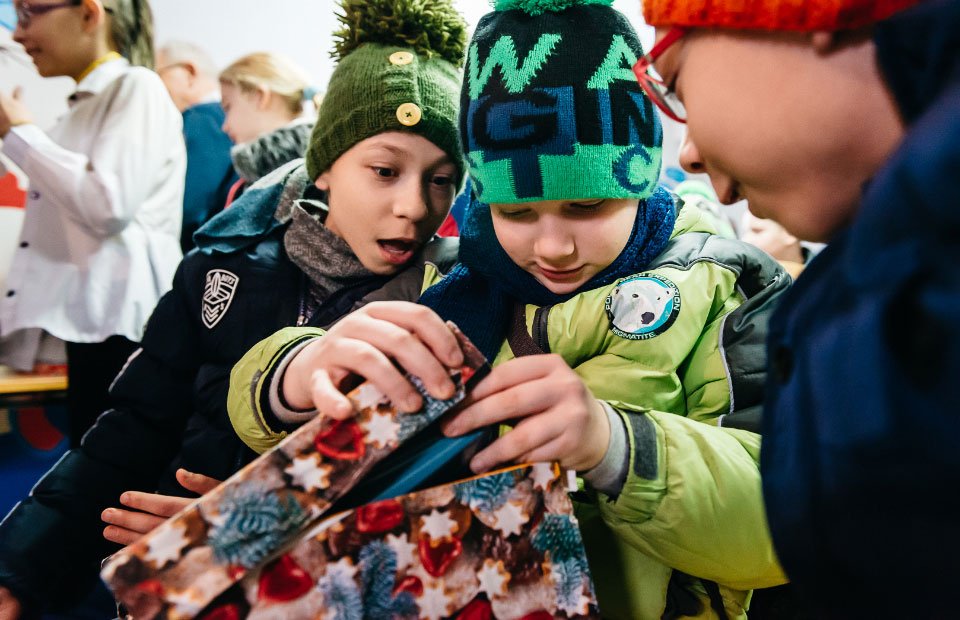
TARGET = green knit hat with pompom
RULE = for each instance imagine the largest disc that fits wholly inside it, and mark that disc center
(398, 70)
(551, 109)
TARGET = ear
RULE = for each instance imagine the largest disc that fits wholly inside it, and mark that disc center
(93, 14)
(823, 41)
(323, 182)
(190, 68)
(264, 96)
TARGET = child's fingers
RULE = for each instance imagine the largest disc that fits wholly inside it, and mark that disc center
(327, 398)
(154, 503)
(197, 483)
(515, 372)
(120, 535)
(140, 522)
(409, 351)
(509, 403)
(425, 324)
(364, 359)
(532, 436)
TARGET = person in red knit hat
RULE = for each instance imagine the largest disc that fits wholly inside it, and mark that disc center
(840, 119)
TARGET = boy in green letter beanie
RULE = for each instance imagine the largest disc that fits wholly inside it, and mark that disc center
(551, 109)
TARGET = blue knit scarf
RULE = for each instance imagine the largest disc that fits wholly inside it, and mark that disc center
(479, 293)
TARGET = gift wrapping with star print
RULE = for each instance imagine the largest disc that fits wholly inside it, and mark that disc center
(263, 543)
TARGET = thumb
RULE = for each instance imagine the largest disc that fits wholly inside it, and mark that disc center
(198, 483)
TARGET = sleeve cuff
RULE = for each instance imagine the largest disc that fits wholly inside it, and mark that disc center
(278, 405)
(610, 474)
(18, 142)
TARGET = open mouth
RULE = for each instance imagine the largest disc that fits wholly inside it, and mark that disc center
(397, 251)
(732, 195)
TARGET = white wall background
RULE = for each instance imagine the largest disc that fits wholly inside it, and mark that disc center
(228, 29)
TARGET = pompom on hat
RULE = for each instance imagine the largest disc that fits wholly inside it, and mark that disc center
(398, 70)
(791, 15)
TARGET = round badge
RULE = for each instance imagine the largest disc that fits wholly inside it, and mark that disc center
(409, 114)
(401, 58)
(643, 307)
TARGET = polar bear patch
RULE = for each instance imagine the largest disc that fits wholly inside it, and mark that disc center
(643, 306)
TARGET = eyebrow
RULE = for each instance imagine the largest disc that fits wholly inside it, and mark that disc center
(400, 152)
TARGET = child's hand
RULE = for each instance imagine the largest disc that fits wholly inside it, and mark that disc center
(12, 112)
(10, 608)
(365, 344)
(556, 417)
(150, 509)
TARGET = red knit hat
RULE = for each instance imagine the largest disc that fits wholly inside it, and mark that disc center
(796, 15)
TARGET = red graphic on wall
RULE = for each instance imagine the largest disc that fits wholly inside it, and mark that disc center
(10, 193)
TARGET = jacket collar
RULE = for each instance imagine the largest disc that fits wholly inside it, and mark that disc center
(101, 77)
(255, 159)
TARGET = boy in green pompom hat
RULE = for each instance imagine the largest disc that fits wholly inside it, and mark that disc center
(398, 66)
(655, 322)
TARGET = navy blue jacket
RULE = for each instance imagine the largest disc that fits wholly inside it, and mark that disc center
(861, 454)
(210, 171)
(170, 399)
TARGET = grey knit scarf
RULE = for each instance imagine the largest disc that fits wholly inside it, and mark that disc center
(326, 259)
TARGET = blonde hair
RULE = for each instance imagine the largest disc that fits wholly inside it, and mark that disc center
(272, 72)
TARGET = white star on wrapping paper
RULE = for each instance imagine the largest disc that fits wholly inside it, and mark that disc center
(542, 474)
(510, 518)
(404, 550)
(344, 567)
(493, 579)
(381, 430)
(580, 609)
(438, 525)
(308, 474)
(368, 396)
(185, 604)
(434, 602)
(167, 545)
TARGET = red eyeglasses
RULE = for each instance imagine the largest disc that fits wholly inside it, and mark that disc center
(27, 11)
(651, 82)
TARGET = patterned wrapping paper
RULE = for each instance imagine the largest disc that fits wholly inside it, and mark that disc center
(219, 538)
(504, 545)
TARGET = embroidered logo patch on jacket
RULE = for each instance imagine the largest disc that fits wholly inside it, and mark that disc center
(218, 293)
(642, 307)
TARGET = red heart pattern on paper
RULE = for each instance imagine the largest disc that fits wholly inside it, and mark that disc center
(283, 580)
(342, 441)
(380, 517)
(477, 609)
(224, 612)
(437, 557)
(410, 584)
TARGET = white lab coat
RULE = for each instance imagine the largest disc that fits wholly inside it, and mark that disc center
(101, 232)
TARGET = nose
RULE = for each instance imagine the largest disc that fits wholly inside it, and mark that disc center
(554, 244)
(690, 158)
(411, 200)
(18, 33)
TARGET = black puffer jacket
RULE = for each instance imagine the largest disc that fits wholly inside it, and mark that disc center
(171, 404)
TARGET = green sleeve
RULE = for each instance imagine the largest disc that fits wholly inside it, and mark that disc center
(248, 401)
(693, 501)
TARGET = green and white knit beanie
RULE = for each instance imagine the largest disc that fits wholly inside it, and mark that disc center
(550, 108)
(398, 70)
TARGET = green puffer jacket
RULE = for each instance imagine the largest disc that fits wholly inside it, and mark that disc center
(674, 351)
